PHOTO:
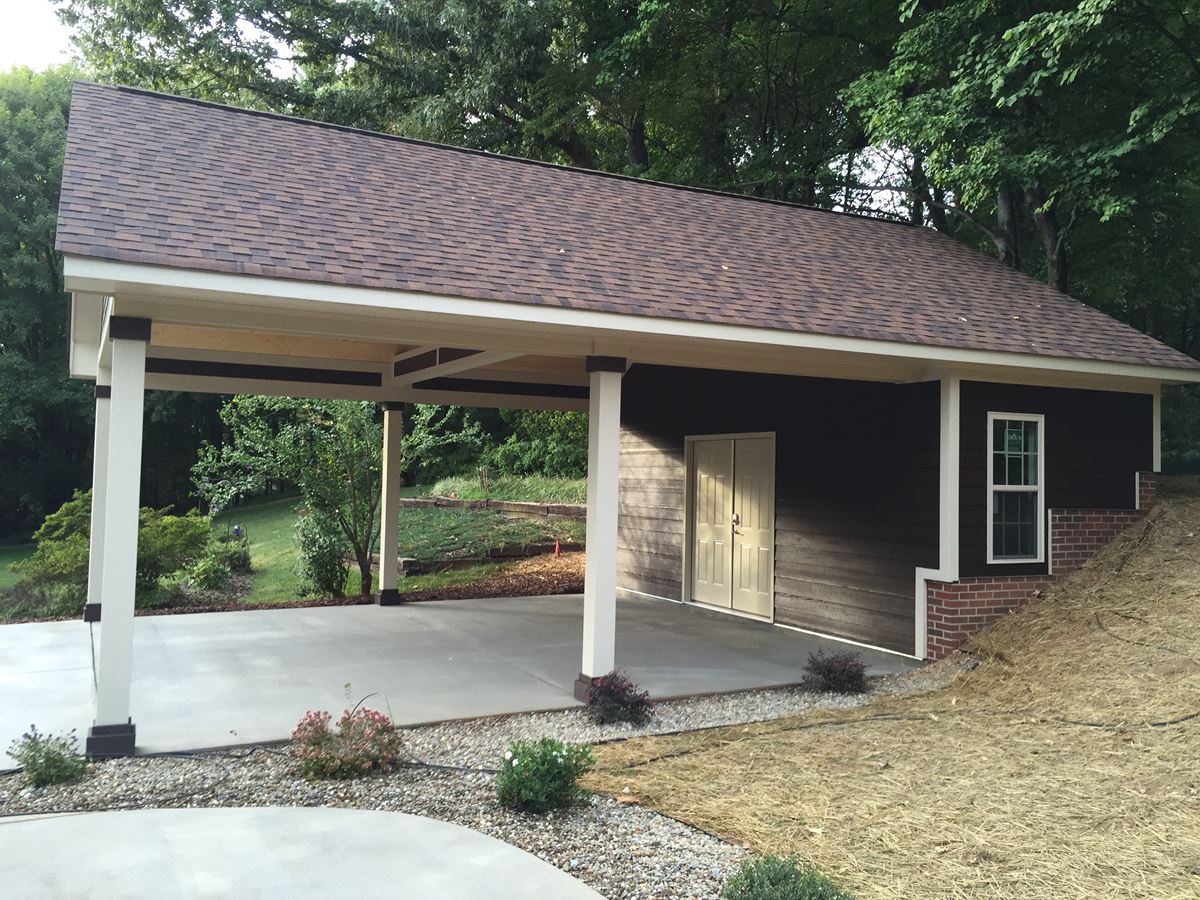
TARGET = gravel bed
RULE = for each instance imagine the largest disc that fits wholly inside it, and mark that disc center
(479, 742)
(624, 852)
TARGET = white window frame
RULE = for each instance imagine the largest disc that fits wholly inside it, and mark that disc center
(993, 488)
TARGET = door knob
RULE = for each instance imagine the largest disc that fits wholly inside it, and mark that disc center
(737, 520)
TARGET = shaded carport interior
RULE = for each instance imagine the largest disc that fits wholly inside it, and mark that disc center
(220, 679)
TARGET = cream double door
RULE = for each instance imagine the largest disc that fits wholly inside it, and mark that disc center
(732, 482)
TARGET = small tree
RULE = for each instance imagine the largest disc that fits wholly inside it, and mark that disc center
(330, 449)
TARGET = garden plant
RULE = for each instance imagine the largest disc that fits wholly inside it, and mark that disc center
(365, 742)
(48, 758)
(615, 698)
(542, 775)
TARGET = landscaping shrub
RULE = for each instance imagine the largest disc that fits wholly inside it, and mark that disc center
(169, 543)
(48, 758)
(209, 572)
(542, 775)
(843, 673)
(322, 565)
(779, 878)
(365, 742)
(25, 600)
(614, 698)
(234, 551)
(59, 565)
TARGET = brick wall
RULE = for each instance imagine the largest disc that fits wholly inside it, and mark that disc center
(1147, 490)
(956, 610)
(1076, 535)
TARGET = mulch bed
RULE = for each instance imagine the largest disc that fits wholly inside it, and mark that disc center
(534, 577)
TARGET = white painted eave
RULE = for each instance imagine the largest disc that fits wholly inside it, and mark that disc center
(186, 295)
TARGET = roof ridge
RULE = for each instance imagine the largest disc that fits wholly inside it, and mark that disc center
(488, 154)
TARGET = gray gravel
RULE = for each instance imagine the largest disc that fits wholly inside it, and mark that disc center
(621, 851)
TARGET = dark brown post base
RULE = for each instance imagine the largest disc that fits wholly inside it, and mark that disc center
(111, 740)
(583, 684)
(389, 597)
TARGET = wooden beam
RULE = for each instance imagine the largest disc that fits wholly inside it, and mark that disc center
(426, 363)
(196, 337)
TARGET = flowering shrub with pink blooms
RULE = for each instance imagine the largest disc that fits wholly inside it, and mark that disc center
(540, 776)
(365, 742)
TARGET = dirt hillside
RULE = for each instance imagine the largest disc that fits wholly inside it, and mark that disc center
(1065, 765)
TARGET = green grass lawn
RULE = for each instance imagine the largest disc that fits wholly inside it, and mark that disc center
(530, 488)
(434, 533)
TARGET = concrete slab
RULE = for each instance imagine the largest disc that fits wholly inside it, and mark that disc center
(216, 679)
(253, 853)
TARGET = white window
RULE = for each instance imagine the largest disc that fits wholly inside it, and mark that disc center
(1016, 492)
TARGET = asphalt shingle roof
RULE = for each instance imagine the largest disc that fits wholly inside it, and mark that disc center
(163, 180)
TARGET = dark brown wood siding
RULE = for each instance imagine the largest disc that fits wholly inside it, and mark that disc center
(856, 490)
(1095, 441)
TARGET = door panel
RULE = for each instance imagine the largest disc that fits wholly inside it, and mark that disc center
(712, 504)
(754, 525)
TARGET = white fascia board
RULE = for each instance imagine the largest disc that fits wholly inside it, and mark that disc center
(107, 276)
(87, 320)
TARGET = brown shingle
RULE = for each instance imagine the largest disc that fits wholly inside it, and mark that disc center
(156, 179)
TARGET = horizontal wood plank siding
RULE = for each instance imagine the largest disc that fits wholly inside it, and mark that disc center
(1095, 441)
(856, 490)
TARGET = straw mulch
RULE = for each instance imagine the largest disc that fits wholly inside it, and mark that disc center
(1063, 766)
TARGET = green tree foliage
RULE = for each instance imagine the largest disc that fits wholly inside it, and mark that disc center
(331, 449)
(440, 441)
(542, 442)
(59, 565)
(44, 418)
(1033, 116)
(743, 95)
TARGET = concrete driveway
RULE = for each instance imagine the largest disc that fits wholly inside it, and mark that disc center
(260, 853)
(216, 679)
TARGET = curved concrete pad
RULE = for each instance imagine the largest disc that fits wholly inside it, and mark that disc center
(267, 852)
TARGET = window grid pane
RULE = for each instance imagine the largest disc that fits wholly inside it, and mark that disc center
(1014, 524)
(1014, 453)
(1016, 447)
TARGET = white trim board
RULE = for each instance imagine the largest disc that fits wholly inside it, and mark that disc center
(163, 283)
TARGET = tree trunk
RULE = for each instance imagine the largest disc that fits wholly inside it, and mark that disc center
(635, 141)
(918, 190)
(1007, 236)
(364, 574)
(577, 151)
(937, 210)
(1053, 236)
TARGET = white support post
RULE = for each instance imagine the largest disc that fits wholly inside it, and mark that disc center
(389, 507)
(113, 733)
(949, 470)
(600, 569)
(1157, 428)
(91, 612)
